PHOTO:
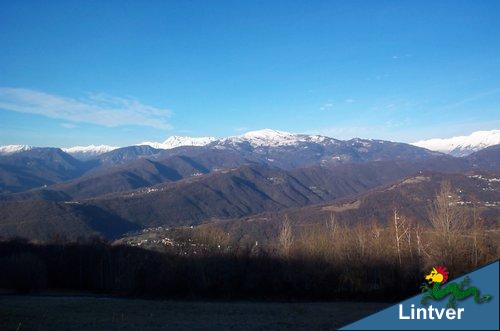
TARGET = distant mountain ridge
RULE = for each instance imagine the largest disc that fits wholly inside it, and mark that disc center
(104, 169)
(45, 191)
(73, 209)
(462, 145)
(107, 192)
(456, 146)
(11, 149)
(88, 152)
(38, 167)
(273, 138)
(411, 196)
(179, 141)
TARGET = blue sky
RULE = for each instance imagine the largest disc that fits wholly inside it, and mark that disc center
(122, 72)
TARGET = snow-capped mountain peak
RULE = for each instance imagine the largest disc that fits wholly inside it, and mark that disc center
(266, 134)
(457, 146)
(178, 141)
(273, 138)
(11, 149)
(264, 137)
(88, 152)
(96, 149)
(462, 145)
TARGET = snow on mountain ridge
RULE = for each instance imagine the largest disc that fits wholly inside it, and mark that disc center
(273, 138)
(88, 152)
(11, 149)
(90, 149)
(80, 152)
(458, 146)
(265, 137)
(266, 134)
(178, 141)
(462, 145)
(257, 138)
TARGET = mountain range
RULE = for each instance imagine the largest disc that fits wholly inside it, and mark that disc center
(47, 191)
(456, 146)
(462, 145)
(410, 196)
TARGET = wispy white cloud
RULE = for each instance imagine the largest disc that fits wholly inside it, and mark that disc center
(350, 100)
(96, 108)
(398, 123)
(345, 132)
(397, 57)
(377, 77)
(326, 106)
(68, 125)
(474, 97)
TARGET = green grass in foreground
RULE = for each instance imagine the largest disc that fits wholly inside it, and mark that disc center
(89, 313)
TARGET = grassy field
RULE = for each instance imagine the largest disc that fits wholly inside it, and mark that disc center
(101, 313)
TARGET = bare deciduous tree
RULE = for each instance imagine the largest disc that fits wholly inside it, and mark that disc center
(332, 225)
(449, 222)
(401, 231)
(285, 237)
(445, 214)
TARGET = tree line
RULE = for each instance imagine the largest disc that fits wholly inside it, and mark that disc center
(323, 262)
